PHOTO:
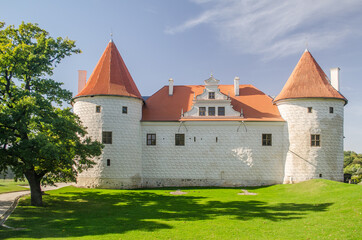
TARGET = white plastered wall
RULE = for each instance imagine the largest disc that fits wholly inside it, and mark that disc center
(304, 162)
(236, 159)
(125, 153)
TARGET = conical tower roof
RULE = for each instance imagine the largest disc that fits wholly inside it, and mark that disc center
(110, 77)
(308, 81)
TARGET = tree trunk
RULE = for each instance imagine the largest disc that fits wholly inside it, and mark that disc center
(35, 190)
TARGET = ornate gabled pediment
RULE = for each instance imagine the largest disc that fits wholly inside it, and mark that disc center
(212, 103)
(211, 81)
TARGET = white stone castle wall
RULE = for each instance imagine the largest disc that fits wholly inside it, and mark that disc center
(304, 162)
(236, 159)
(125, 153)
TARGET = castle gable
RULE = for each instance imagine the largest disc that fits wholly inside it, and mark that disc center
(250, 105)
(212, 104)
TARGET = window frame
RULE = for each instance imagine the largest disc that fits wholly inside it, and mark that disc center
(150, 141)
(315, 140)
(211, 95)
(98, 109)
(310, 109)
(124, 110)
(218, 111)
(267, 139)
(107, 137)
(204, 111)
(208, 111)
(108, 162)
(179, 139)
(331, 110)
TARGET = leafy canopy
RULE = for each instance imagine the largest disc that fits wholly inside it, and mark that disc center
(353, 166)
(38, 138)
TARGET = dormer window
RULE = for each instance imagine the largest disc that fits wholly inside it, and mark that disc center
(202, 111)
(211, 95)
(211, 111)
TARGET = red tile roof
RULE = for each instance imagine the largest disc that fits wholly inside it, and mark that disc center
(255, 104)
(110, 77)
(308, 81)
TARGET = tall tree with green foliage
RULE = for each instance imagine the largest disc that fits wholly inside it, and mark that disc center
(38, 138)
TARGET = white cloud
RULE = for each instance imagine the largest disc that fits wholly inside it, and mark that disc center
(277, 28)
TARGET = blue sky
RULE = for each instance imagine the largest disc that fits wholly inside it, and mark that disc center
(259, 41)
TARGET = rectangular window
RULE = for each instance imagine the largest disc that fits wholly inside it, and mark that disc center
(108, 162)
(179, 139)
(315, 140)
(309, 109)
(331, 110)
(202, 111)
(107, 137)
(267, 140)
(124, 110)
(151, 139)
(211, 111)
(98, 109)
(211, 95)
(221, 111)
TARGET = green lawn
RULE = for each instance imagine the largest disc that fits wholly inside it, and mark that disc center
(317, 209)
(9, 185)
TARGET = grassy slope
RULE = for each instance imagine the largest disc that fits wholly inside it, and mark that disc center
(7, 185)
(317, 209)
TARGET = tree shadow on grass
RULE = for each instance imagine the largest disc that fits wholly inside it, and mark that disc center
(77, 213)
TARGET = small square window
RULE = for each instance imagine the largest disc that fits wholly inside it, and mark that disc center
(98, 109)
(267, 140)
(315, 140)
(107, 137)
(151, 139)
(211, 95)
(211, 111)
(124, 110)
(108, 162)
(202, 111)
(221, 111)
(309, 109)
(331, 110)
(179, 139)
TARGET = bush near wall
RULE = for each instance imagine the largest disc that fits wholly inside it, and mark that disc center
(352, 167)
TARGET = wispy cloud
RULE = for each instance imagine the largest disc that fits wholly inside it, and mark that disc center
(277, 28)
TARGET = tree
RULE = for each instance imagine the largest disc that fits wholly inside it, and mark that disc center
(38, 138)
(352, 166)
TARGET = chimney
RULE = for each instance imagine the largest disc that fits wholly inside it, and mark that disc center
(82, 79)
(236, 86)
(335, 78)
(170, 87)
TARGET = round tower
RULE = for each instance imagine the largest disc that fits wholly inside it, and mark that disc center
(313, 111)
(110, 106)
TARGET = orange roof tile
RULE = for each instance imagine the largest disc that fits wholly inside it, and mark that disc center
(110, 76)
(255, 104)
(308, 81)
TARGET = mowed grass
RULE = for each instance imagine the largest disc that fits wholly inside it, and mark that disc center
(9, 185)
(316, 209)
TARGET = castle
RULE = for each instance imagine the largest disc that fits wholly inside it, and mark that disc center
(211, 134)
